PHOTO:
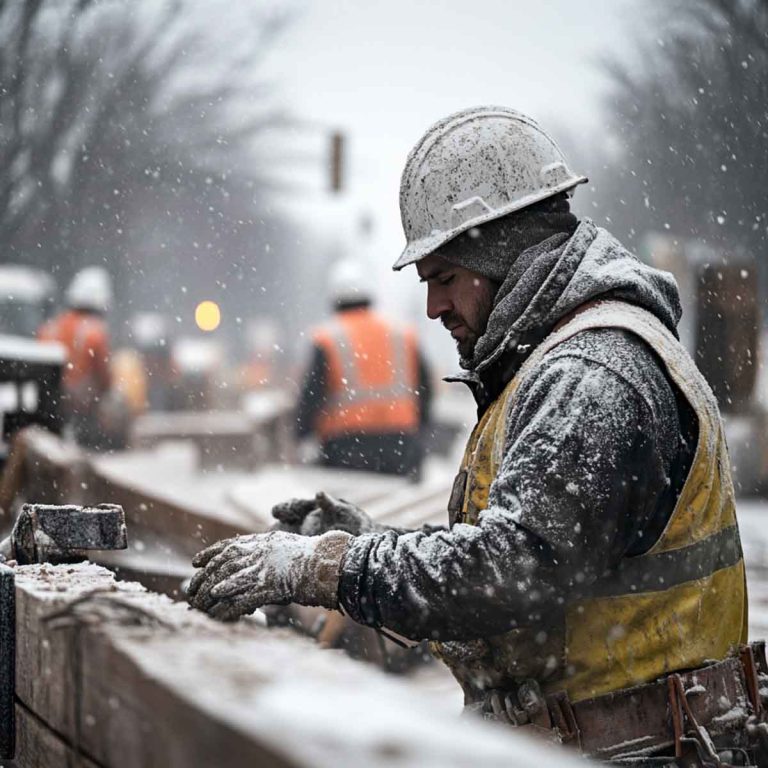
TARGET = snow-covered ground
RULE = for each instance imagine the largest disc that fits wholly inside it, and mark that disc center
(753, 522)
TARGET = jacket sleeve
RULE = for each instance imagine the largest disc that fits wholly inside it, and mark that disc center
(313, 393)
(580, 439)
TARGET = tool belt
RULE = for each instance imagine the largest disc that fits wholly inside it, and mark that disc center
(715, 716)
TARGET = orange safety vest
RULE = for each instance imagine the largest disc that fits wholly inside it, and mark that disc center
(256, 374)
(86, 339)
(373, 376)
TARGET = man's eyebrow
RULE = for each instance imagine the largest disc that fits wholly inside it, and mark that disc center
(433, 274)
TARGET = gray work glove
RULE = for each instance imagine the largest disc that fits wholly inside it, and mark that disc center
(242, 574)
(311, 517)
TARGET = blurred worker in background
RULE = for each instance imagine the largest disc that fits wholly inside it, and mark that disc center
(260, 369)
(143, 372)
(151, 336)
(129, 379)
(366, 395)
(82, 329)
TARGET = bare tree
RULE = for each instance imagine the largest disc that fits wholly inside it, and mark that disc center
(691, 117)
(136, 134)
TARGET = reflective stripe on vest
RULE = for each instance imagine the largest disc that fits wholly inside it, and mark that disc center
(355, 390)
(357, 343)
(674, 607)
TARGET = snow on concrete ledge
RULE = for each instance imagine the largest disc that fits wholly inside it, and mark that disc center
(167, 684)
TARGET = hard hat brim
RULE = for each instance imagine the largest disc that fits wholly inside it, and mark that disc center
(420, 249)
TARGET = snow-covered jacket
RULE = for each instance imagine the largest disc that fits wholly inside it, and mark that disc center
(672, 608)
(598, 445)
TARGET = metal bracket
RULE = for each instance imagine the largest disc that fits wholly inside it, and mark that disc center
(747, 658)
(693, 746)
(564, 718)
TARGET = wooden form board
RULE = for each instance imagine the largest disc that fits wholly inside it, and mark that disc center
(85, 685)
(163, 493)
(173, 511)
(110, 676)
(40, 746)
(244, 438)
(57, 472)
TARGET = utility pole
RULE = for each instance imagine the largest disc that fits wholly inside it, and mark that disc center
(337, 162)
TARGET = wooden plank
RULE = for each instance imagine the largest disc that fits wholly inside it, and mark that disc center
(38, 746)
(46, 677)
(156, 563)
(229, 439)
(74, 676)
(225, 438)
(191, 526)
(414, 506)
(53, 469)
(257, 494)
(149, 428)
(12, 478)
(165, 495)
(130, 679)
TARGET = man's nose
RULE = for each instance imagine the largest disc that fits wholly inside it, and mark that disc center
(438, 302)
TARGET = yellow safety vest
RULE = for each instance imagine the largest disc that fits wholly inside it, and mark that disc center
(681, 603)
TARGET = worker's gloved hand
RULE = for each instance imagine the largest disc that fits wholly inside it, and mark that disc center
(311, 517)
(290, 515)
(239, 575)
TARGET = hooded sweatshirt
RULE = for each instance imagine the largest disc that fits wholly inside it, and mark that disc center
(598, 445)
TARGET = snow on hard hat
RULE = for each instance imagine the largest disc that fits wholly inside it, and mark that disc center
(349, 283)
(472, 167)
(90, 289)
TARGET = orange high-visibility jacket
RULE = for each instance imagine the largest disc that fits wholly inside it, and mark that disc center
(373, 375)
(86, 339)
(256, 374)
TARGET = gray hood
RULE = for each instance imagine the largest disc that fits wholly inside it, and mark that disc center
(555, 277)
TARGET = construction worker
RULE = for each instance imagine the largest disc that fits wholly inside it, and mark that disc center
(151, 336)
(259, 369)
(366, 394)
(592, 543)
(82, 330)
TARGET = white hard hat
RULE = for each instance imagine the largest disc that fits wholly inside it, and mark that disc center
(90, 289)
(472, 167)
(261, 334)
(149, 330)
(349, 284)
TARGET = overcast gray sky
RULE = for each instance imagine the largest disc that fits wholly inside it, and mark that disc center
(383, 70)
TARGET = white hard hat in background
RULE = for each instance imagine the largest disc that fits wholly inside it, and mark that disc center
(262, 334)
(349, 283)
(472, 167)
(149, 330)
(90, 289)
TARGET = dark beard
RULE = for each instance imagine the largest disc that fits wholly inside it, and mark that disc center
(466, 346)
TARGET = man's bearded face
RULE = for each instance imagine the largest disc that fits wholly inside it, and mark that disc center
(461, 299)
